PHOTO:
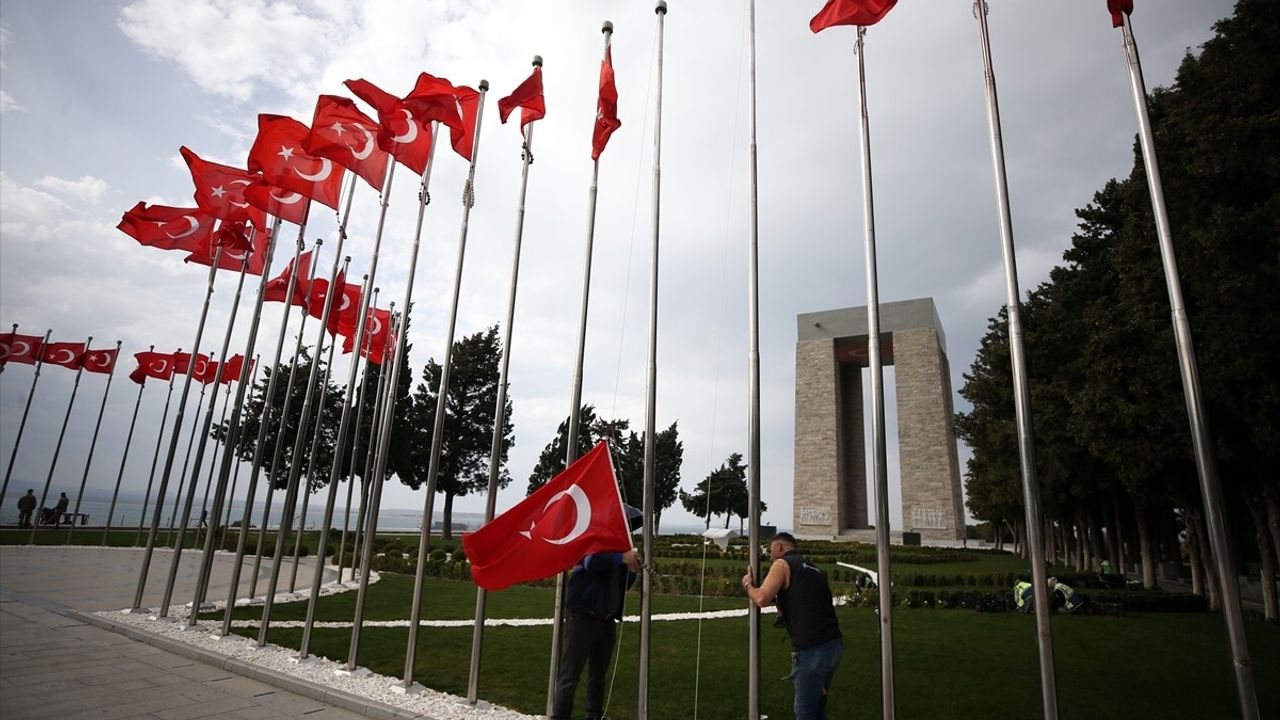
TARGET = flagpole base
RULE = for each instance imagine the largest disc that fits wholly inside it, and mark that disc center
(357, 673)
(410, 689)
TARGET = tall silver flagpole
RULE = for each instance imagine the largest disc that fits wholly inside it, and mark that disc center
(205, 427)
(124, 457)
(500, 409)
(53, 464)
(235, 476)
(93, 443)
(155, 457)
(1021, 388)
(340, 446)
(173, 440)
(651, 395)
(186, 461)
(1206, 466)
(295, 464)
(375, 419)
(375, 502)
(214, 461)
(433, 466)
(17, 441)
(265, 420)
(877, 398)
(355, 438)
(309, 475)
(575, 402)
(278, 449)
(753, 395)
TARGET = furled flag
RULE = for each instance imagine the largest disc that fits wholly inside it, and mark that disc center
(1119, 8)
(277, 153)
(434, 98)
(182, 363)
(232, 236)
(152, 365)
(25, 349)
(346, 310)
(606, 107)
(66, 354)
(850, 12)
(232, 259)
(232, 368)
(527, 97)
(220, 190)
(279, 285)
(284, 204)
(340, 132)
(100, 361)
(469, 103)
(376, 333)
(578, 512)
(399, 133)
(168, 228)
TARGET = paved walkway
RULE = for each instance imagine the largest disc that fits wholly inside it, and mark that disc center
(56, 662)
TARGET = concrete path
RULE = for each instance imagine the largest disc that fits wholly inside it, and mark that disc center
(55, 662)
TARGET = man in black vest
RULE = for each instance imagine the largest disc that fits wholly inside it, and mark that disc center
(804, 604)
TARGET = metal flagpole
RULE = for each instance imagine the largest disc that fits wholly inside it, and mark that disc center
(575, 402)
(265, 420)
(155, 458)
(375, 502)
(651, 395)
(753, 394)
(295, 463)
(1021, 388)
(879, 455)
(204, 441)
(186, 462)
(315, 448)
(17, 441)
(500, 409)
(340, 446)
(361, 531)
(93, 443)
(278, 450)
(124, 457)
(173, 440)
(1202, 444)
(213, 461)
(235, 477)
(44, 494)
(437, 439)
(355, 433)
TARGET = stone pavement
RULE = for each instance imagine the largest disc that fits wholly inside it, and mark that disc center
(56, 662)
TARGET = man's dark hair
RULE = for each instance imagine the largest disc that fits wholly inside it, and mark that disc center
(785, 538)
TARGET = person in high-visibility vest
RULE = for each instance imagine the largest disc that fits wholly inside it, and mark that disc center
(1024, 596)
(1070, 599)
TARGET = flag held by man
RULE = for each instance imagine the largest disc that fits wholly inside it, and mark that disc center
(578, 512)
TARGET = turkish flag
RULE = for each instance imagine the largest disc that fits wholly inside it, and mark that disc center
(100, 361)
(346, 310)
(850, 12)
(154, 365)
(469, 102)
(182, 363)
(232, 236)
(232, 259)
(377, 330)
(399, 132)
(340, 132)
(1119, 8)
(527, 97)
(232, 368)
(168, 228)
(138, 375)
(578, 512)
(277, 153)
(278, 286)
(66, 354)
(284, 204)
(220, 190)
(606, 107)
(206, 373)
(25, 349)
(316, 294)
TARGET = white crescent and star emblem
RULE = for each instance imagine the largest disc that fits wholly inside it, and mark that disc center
(580, 525)
(289, 199)
(337, 129)
(346, 302)
(26, 348)
(368, 145)
(69, 358)
(286, 152)
(201, 367)
(412, 133)
(235, 254)
(99, 360)
(326, 167)
(193, 225)
(159, 366)
(377, 325)
(240, 182)
(217, 191)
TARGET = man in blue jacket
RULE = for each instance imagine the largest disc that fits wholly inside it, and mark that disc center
(594, 604)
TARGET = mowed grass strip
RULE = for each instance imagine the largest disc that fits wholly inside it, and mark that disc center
(948, 663)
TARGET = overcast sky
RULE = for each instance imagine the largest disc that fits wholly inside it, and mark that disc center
(98, 96)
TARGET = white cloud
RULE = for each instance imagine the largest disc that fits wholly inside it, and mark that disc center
(8, 104)
(87, 188)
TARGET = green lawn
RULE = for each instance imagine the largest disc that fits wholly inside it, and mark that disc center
(948, 663)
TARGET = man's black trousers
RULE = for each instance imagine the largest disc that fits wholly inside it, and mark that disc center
(587, 641)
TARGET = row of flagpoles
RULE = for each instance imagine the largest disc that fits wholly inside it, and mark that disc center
(228, 230)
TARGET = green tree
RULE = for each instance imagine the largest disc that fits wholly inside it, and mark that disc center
(591, 430)
(729, 494)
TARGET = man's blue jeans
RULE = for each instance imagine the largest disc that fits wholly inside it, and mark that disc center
(812, 670)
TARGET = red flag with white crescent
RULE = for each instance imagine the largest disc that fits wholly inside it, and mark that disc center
(25, 349)
(232, 369)
(399, 132)
(277, 153)
(154, 365)
(377, 329)
(346, 310)
(168, 228)
(340, 132)
(278, 286)
(232, 259)
(220, 190)
(287, 205)
(850, 12)
(316, 294)
(528, 97)
(578, 512)
(606, 107)
(67, 354)
(100, 361)
(182, 363)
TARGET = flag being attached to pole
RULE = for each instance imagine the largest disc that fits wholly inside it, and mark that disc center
(578, 512)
